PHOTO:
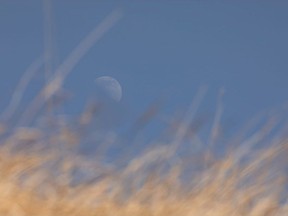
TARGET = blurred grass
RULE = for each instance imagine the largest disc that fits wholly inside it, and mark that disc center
(39, 168)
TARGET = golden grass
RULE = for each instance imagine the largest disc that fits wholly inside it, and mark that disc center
(37, 179)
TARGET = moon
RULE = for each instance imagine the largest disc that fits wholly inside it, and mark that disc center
(110, 86)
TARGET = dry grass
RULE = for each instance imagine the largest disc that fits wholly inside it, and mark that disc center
(38, 170)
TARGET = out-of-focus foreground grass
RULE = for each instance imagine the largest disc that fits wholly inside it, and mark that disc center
(38, 168)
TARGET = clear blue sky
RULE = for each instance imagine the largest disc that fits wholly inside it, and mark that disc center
(159, 48)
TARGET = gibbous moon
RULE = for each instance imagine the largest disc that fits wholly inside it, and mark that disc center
(110, 86)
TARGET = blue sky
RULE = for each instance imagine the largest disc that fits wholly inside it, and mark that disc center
(158, 49)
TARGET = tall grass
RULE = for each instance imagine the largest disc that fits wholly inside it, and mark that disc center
(42, 173)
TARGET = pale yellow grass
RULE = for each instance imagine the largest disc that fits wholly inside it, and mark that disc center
(223, 186)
